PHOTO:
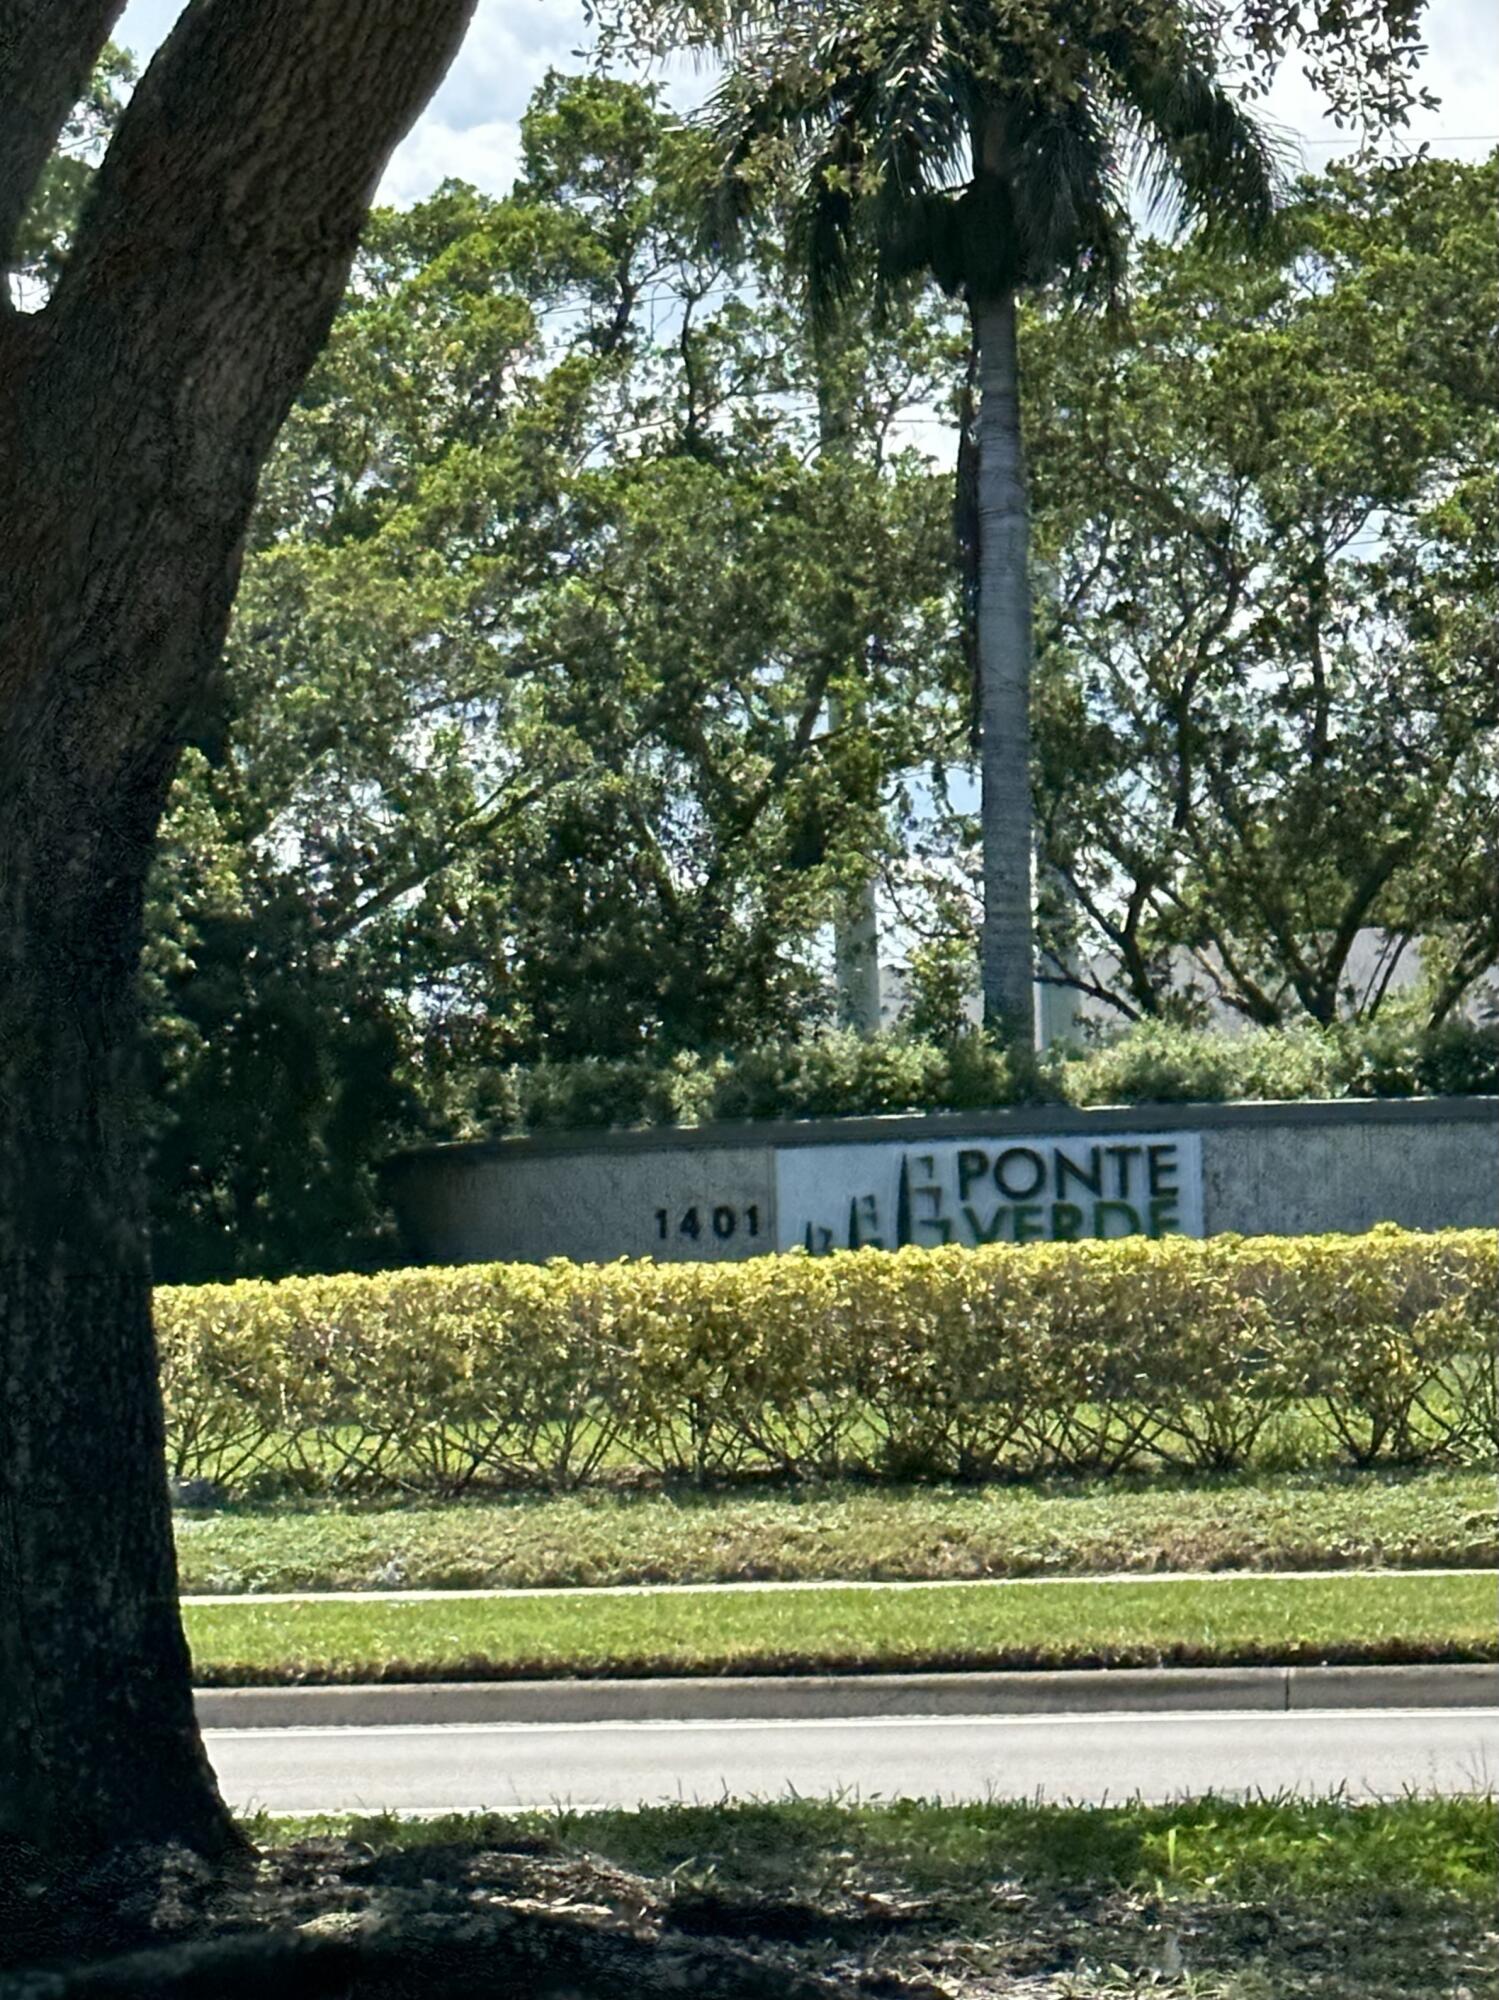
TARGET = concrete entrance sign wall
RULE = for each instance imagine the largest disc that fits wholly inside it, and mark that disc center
(731, 1191)
(1016, 1188)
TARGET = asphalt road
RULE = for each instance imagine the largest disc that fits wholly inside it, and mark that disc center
(415, 1769)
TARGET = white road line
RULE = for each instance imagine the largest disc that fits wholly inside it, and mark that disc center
(772, 1586)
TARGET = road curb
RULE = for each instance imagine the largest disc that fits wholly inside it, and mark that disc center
(811, 1697)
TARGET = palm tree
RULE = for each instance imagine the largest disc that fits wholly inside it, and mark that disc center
(989, 147)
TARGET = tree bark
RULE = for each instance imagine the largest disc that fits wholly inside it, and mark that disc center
(44, 66)
(1007, 941)
(96, 1727)
(135, 414)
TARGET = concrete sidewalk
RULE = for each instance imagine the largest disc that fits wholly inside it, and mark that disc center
(1086, 1691)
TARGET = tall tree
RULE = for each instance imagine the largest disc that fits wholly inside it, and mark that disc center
(136, 410)
(1268, 706)
(988, 149)
(926, 141)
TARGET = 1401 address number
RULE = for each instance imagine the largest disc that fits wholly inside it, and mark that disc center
(723, 1222)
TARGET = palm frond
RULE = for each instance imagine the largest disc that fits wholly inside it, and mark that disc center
(857, 118)
(861, 116)
(1200, 154)
(823, 227)
(1070, 197)
(919, 109)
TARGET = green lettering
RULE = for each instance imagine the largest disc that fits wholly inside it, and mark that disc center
(1163, 1217)
(1089, 1177)
(1102, 1210)
(972, 1166)
(1030, 1225)
(1066, 1221)
(995, 1233)
(1160, 1166)
(1037, 1167)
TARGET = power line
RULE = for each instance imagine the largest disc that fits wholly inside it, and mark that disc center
(1434, 139)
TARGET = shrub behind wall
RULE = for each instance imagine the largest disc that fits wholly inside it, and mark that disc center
(843, 1074)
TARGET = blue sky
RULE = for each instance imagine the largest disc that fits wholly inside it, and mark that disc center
(469, 130)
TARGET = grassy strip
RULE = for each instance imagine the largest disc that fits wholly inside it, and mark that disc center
(1262, 1522)
(1278, 1898)
(847, 1629)
(1268, 1847)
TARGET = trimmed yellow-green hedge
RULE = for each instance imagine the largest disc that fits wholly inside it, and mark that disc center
(942, 1363)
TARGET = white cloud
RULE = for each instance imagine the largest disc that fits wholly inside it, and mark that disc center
(471, 129)
(488, 155)
(508, 50)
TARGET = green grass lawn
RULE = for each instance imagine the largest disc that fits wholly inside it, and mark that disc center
(1267, 1901)
(1433, 1519)
(1238, 1619)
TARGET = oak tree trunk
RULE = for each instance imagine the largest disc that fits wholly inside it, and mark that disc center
(136, 411)
(1007, 941)
(96, 1723)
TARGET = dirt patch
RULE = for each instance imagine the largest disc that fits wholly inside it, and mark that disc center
(526, 1914)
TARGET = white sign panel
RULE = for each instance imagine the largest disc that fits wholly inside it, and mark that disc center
(1020, 1190)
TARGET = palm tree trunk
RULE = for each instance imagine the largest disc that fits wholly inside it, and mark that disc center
(856, 945)
(857, 952)
(856, 923)
(1007, 943)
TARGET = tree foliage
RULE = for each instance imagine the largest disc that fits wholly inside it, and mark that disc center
(1270, 706)
(524, 748)
(550, 506)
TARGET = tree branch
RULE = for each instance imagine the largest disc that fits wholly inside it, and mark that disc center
(469, 833)
(227, 210)
(1474, 960)
(205, 273)
(47, 50)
